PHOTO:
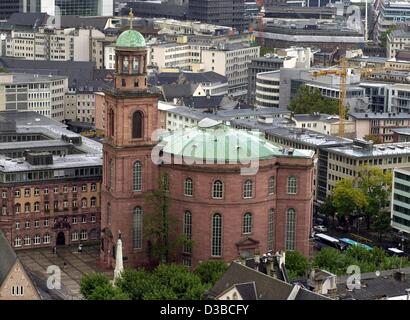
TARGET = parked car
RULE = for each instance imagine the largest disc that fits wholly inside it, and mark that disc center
(320, 228)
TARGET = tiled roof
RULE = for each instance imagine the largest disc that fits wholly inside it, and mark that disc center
(7, 258)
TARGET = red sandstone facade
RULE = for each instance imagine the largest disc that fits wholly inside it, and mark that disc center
(124, 146)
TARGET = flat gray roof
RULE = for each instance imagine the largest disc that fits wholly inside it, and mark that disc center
(59, 163)
(379, 115)
(23, 78)
(300, 135)
(379, 150)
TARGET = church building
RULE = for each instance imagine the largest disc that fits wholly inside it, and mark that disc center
(231, 192)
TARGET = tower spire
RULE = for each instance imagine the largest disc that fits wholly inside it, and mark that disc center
(131, 16)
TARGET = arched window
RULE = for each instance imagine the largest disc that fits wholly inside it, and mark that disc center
(84, 203)
(111, 173)
(125, 65)
(290, 229)
(137, 176)
(93, 202)
(188, 187)
(27, 207)
(18, 208)
(292, 185)
(109, 214)
(137, 228)
(46, 238)
(137, 124)
(111, 123)
(218, 190)
(248, 189)
(165, 182)
(17, 242)
(247, 223)
(271, 230)
(36, 206)
(135, 65)
(187, 228)
(271, 185)
(217, 235)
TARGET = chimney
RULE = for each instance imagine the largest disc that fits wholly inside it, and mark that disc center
(400, 276)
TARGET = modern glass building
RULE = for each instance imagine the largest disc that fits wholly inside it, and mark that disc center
(400, 208)
(8, 7)
(70, 7)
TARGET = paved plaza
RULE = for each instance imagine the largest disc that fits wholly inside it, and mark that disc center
(73, 266)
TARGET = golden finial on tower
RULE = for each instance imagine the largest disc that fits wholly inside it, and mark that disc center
(131, 16)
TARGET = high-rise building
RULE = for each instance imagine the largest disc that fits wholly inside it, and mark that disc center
(86, 7)
(8, 7)
(230, 13)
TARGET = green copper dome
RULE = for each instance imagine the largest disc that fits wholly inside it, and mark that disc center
(130, 39)
(216, 142)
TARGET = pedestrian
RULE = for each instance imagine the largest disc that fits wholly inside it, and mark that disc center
(55, 250)
(80, 248)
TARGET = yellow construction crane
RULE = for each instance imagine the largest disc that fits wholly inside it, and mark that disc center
(342, 73)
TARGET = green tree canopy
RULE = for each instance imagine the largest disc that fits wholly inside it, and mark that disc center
(376, 187)
(384, 34)
(91, 281)
(136, 283)
(108, 292)
(347, 198)
(185, 284)
(211, 271)
(296, 265)
(372, 137)
(337, 262)
(309, 100)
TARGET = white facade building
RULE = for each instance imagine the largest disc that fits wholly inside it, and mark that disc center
(39, 93)
(231, 61)
(267, 89)
(59, 45)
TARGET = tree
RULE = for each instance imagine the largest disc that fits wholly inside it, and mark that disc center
(385, 34)
(158, 222)
(337, 262)
(184, 284)
(376, 187)
(91, 281)
(135, 283)
(348, 199)
(374, 138)
(327, 208)
(107, 292)
(309, 100)
(211, 271)
(381, 223)
(296, 265)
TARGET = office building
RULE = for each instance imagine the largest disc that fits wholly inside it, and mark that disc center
(400, 211)
(33, 92)
(8, 7)
(50, 182)
(229, 13)
(231, 61)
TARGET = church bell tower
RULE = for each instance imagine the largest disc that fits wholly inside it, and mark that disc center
(132, 116)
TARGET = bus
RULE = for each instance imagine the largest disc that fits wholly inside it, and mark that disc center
(329, 241)
(350, 242)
